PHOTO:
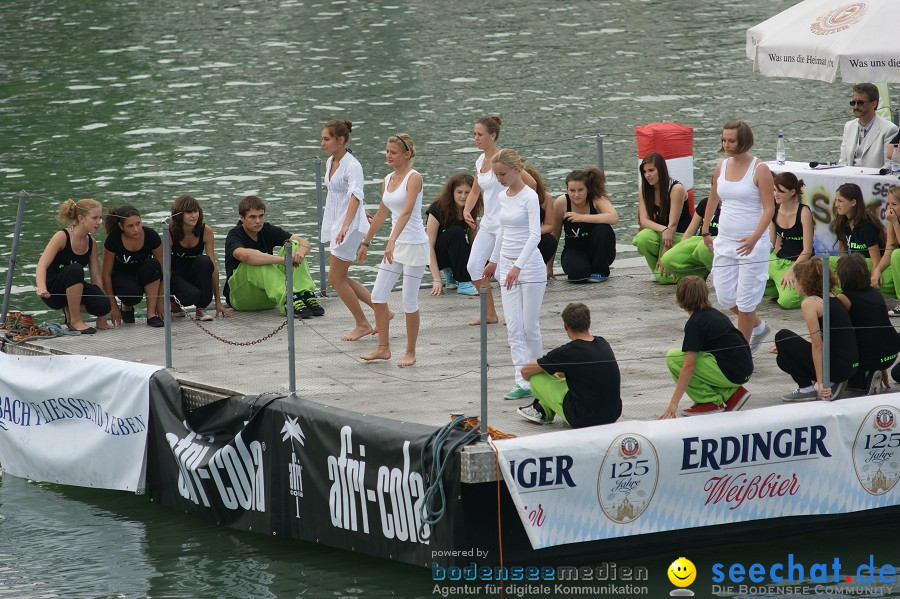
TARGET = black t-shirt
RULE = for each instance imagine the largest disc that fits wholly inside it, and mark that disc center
(268, 238)
(844, 354)
(862, 237)
(876, 337)
(714, 221)
(711, 331)
(592, 374)
(434, 210)
(127, 260)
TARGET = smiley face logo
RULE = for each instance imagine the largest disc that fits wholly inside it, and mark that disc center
(682, 572)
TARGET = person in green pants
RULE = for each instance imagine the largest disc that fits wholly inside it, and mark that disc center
(585, 390)
(714, 361)
(791, 234)
(690, 256)
(255, 278)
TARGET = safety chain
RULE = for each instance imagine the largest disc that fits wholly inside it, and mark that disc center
(226, 341)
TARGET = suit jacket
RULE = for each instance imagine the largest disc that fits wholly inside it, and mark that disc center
(876, 139)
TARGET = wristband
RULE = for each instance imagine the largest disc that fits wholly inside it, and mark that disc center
(364, 243)
(705, 235)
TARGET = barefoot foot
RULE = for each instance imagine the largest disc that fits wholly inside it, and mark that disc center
(358, 333)
(382, 352)
(407, 360)
(102, 323)
(490, 320)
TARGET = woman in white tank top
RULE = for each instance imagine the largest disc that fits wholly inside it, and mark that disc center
(741, 250)
(407, 251)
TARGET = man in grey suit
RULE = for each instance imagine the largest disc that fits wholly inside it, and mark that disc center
(866, 136)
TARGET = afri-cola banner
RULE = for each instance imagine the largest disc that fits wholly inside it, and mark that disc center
(632, 477)
(294, 468)
(75, 420)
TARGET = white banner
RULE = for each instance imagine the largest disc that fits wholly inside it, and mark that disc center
(75, 420)
(633, 477)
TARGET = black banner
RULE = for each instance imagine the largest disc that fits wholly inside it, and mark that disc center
(290, 467)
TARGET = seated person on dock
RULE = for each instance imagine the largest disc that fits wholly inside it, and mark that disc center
(255, 278)
(585, 390)
(866, 136)
(690, 256)
(714, 361)
(791, 234)
(450, 237)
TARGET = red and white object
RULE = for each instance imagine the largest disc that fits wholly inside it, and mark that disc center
(676, 144)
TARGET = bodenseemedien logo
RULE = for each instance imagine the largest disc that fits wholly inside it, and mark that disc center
(682, 574)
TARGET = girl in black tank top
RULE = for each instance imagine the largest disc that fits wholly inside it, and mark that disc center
(663, 214)
(585, 217)
(791, 238)
(59, 278)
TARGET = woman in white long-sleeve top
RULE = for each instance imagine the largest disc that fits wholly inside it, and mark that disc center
(344, 223)
(517, 264)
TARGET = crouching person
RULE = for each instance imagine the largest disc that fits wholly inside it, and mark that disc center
(254, 276)
(714, 361)
(585, 390)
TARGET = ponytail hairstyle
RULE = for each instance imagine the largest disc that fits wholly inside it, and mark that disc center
(665, 201)
(115, 216)
(491, 124)
(70, 210)
(181, 205)
(339, 129)
(594, 180)
(841, 225)
(790, 182)
(539, 186)
(405, 143)
(447, 211)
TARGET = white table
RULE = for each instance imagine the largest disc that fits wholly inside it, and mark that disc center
(818, 194)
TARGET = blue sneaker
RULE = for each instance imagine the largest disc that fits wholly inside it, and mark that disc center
(518, 393)
(447, 276)
(467, 288)
(596, 278)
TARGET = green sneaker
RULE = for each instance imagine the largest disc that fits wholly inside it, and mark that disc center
(301, 310)
(518, 393)
(310, 300)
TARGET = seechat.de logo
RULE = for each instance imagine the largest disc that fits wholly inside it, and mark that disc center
(682, 573)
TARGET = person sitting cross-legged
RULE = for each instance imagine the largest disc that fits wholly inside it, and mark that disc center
(255, 278)
(585, 390)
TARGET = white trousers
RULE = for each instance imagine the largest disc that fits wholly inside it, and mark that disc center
(522, 311)
(482, 246)
(740, 280)
(388, 275)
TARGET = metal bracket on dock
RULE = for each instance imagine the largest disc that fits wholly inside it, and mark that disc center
(478, 464)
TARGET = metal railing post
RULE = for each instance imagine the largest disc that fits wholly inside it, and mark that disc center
(897, 115)
(826, 320)
(600, 151)
(321, 214)
(484, 411)
(167, 290)
(289, 313)
(17, 232)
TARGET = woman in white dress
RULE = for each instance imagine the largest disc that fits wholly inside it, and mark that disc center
(407, 251)
(344, 223)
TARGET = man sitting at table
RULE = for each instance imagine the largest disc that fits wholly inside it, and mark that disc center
(866, 136)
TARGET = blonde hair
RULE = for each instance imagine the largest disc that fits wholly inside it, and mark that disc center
(405, 142)
(895, 191)
(510, 158)
(70, 210)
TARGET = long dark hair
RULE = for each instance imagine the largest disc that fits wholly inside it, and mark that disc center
(665, 201)
(447, 211)
(116, 215)
(841, 225)
(539, 188)
(594, 181)
(181, 205)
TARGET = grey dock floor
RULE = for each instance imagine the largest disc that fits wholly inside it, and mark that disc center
(638, 317)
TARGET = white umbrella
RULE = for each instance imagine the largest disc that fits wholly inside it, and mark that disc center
(816, 38)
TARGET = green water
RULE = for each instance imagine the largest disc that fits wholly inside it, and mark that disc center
(139, 102)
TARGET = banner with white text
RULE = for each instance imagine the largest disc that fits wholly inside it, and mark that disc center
(75, 420)
(632, 478)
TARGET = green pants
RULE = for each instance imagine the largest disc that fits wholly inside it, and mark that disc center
(788, 298)
(262, 287)
(688, 257)
(648, 243)
(550, 391)
(708, 384)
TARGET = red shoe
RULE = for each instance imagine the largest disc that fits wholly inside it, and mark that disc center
(702, 408)
(737, 399)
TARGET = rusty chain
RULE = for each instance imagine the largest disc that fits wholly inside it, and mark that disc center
(226, 341)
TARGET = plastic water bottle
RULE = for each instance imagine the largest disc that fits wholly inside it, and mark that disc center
(779, 150)
(895, 160)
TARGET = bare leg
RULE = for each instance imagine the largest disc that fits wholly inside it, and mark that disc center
(491, 310)
(746, 322)
(73, 307)
(154, 300)
(343, 284)
(382, 320)
(412, 335)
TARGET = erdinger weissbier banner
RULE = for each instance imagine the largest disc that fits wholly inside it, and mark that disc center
(75, 420)
(290, 467)
(631, 478)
